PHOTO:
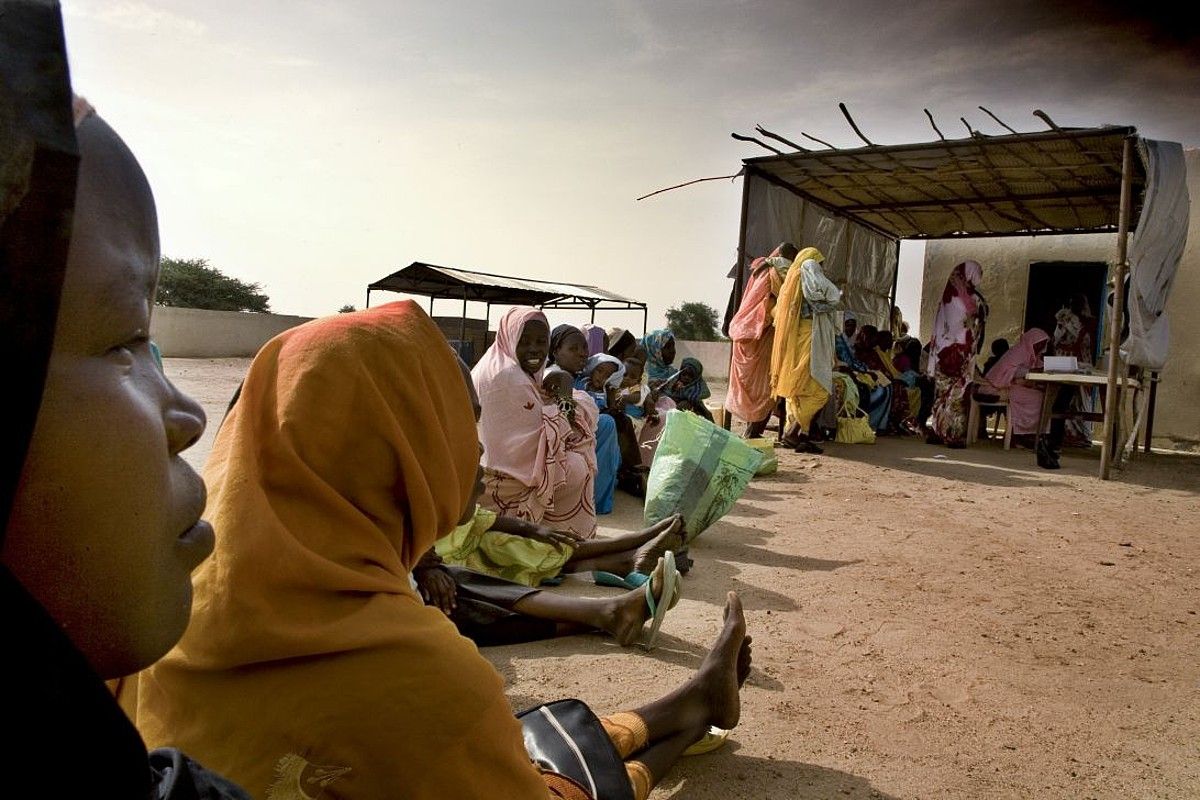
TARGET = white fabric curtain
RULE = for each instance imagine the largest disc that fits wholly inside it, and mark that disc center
(861, 262)
(1154, 252)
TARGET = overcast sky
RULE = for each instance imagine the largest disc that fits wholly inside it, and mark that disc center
(313, 147)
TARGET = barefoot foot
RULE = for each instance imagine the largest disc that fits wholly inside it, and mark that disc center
(670, 538)
(726, 667)
(630, 612)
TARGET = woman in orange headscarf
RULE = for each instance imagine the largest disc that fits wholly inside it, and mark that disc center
(311, 664)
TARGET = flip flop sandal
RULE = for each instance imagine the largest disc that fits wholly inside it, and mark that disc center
(603, 578)
(713, 740)
(671, 591)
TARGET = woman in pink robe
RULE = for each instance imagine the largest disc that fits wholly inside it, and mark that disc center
(539, 465)
(752, 332)
(1007, 377)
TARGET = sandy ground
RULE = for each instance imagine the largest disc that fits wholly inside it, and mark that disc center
(927, 624)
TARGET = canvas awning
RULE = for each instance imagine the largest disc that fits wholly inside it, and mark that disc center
(451, 283)
(1061, 181)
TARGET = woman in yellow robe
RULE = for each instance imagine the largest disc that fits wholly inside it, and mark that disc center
(802, 357)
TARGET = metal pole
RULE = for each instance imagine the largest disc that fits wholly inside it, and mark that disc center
(1112, 393)
(593, 320)
(368, 297)
(462, 324)
(645, 321)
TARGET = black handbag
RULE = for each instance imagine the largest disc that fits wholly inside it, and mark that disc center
(567, 738)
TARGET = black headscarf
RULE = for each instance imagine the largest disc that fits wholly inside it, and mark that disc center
(558, 336)
(67, 735)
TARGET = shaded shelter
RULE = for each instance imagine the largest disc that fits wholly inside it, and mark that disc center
(857, 204)
(451, 283)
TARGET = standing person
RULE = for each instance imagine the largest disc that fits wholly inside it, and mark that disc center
(532, 471)
(802, 357)
(310, 657)
(958, 333)
(100, 516)
(752, 331)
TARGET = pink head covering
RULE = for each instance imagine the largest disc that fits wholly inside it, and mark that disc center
(1022, 357)
(517, 429)
(959, 304)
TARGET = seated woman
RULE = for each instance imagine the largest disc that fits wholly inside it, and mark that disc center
(874, 392)
(569, 352)
(1006, 379)
(690, 390)
(309, 655)
(621, 343)
(539, 465)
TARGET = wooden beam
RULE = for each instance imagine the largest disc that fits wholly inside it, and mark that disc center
(1112, 391)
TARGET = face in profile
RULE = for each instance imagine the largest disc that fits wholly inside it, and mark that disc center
(572, 352)
(533, 346)
(106, 528)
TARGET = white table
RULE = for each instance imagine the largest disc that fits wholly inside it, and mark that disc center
(1053, 382)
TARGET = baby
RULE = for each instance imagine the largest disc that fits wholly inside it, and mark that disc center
(558, 385)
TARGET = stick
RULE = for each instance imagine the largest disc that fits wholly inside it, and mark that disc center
(758, 142)
(846, 114)
(1044, 117)
(689, 183)
(779, 138)
(819, 141)
(934, 124)
(998, 120)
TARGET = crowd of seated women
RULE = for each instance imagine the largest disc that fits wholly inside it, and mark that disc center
(322, 654)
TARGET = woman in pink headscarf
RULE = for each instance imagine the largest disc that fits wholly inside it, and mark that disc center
(539, 463)
(752, 330)
(958, 332)
(1007, 377)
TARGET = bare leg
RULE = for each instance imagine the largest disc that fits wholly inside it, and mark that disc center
(624, 554)
(622, 616)
(710, 696)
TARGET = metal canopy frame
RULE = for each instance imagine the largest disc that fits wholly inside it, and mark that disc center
(1062, 181)
(451, 283)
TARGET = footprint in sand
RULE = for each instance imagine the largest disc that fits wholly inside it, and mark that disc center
(952, 694)
(823, 630)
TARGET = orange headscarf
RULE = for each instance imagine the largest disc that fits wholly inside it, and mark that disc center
(310, 662)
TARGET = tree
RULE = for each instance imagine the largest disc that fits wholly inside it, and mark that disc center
(347, 309)
(192, 283)
(696, 322)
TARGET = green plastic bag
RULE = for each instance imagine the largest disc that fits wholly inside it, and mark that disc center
(770, 460)
(699, 471)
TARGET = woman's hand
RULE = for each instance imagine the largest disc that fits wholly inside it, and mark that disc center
(540, 533)
(437, 588)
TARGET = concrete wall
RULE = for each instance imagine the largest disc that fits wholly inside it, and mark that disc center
(196, 333)
(713, 355)
(1006, 281)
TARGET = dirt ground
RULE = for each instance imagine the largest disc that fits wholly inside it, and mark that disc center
(927, 624)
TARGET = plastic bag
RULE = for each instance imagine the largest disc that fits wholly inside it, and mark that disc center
(770, 461)
(699, 471)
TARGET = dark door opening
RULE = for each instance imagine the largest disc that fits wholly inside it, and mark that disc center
(1055, 284)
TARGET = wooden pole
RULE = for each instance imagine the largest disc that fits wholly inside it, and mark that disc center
(738, 280)
(895, 285)
(1112, 391)
(368, 298)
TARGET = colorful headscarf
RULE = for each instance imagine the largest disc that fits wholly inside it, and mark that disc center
(596, 340)
(960, 317)
(350, 450)
(654, 342)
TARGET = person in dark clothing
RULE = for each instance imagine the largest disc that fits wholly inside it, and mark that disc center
(101, 516)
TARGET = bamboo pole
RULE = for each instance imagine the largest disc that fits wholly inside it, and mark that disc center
(1112, 391)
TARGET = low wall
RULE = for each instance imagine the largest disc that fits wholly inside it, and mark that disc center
(713, 355)
(197, 333)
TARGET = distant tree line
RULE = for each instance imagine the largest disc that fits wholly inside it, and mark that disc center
(192, 283)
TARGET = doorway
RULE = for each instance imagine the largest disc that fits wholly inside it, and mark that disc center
(1054, 284)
